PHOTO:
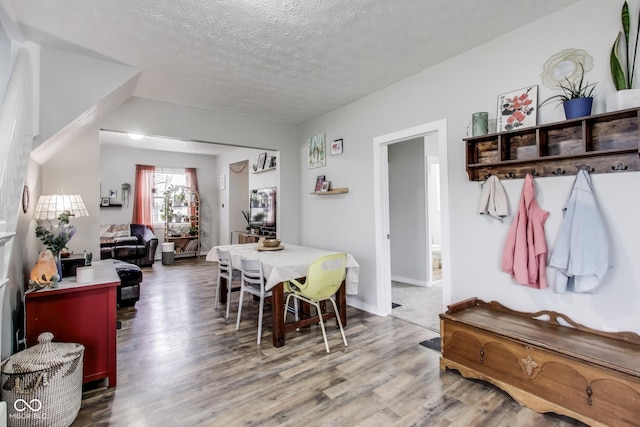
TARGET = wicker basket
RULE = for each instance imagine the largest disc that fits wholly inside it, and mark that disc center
(42, 385)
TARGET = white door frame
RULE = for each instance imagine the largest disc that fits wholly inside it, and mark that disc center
(381, 209)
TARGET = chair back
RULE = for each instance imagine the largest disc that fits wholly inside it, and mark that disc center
(252, 271)
(324, 277)
(224, 264)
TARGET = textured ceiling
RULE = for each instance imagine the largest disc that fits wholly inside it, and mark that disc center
(283, 60)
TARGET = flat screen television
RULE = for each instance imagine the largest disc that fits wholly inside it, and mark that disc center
(262, 208)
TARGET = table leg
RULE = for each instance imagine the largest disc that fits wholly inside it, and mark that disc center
(342, 303)
(277, 312)
(223, 290)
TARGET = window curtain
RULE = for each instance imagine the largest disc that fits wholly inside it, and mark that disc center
(143, 199)
(192, 178)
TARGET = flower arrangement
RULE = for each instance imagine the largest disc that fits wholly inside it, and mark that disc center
(56, 240)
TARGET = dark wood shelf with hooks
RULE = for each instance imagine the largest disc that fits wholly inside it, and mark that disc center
(602, 143)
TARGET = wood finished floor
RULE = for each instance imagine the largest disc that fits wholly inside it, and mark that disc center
(180, 363)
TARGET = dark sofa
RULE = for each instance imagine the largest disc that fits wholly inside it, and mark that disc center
(133, 243)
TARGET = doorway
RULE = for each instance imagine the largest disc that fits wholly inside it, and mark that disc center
(435, 130)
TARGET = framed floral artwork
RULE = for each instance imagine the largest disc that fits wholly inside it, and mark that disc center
(517, 109)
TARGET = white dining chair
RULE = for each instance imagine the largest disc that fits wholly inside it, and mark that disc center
(253, 283)
(227, 272)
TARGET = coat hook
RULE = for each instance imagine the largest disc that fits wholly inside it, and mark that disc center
(559, 171)
(619, 167)
(534, 172)
(586, 167)
(509, 175)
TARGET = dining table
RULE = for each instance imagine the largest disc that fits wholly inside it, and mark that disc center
(281, 265)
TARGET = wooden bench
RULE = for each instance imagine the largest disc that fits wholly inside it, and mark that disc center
(546, 361)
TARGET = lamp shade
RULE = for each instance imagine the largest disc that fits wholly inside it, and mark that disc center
(51, 206)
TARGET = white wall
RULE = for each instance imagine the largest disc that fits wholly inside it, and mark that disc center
(454, 90)
(407, 212)
(118, 165)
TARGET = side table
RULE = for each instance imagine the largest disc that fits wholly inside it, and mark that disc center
(82, 313)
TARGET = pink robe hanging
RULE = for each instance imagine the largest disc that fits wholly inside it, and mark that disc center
(525, 251)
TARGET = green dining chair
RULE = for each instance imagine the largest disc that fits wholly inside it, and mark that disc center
(324, 277)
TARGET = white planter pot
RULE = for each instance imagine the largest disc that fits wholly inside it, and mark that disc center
(623, 99)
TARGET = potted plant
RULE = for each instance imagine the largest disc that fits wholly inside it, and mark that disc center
(624, 96)
(577, 96)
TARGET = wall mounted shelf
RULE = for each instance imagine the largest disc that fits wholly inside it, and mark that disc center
(265, 170)
(333, 191)
(603, 143)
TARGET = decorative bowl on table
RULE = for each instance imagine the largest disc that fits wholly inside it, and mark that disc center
(271, 243)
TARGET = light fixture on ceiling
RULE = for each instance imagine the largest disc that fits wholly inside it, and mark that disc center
(135, 136)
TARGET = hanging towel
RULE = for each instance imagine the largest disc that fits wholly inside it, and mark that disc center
(581, 255)
(525, 251)
(493, 199)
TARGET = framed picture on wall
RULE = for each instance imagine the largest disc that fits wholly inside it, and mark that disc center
(316, 152)
(336, 147)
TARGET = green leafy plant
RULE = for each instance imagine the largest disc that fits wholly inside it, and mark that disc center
(56, 238)
(622, 80)
(573, 89)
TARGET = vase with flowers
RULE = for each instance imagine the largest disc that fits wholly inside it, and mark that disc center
(55, 238)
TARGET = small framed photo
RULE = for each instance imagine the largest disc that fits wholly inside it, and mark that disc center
(518, 109)
(262, 158)
(272, 162)
(326, 185)
(319, 181)
(104, 201)
(113, 193)
(336, 147)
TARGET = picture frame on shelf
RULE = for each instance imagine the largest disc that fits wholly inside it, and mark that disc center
(272, 162)
(326, 186)
(262, 158)
(336, 147)
(104, 201)
(517, 109)
(319, 181)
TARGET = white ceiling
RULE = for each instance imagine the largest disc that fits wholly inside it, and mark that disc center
(122, 139)
(283, 60)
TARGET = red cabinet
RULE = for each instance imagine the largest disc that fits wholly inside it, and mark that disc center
(82, 313)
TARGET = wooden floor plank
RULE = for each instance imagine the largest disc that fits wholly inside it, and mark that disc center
(181, 363)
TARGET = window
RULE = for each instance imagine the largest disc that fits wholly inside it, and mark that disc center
(163, 179)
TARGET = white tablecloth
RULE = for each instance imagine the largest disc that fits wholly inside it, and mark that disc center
(292, 262)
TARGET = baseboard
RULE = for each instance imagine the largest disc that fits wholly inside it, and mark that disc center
(363, 306)
(410, 281)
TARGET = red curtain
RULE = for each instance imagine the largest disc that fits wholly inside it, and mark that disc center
(143, 199)
(192, 178)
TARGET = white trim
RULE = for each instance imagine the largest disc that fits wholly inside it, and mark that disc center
(410, 281)
(381, 211)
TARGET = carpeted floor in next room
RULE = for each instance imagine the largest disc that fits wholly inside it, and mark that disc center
(417, 304)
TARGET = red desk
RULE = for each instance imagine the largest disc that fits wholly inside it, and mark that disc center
(82, 313)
